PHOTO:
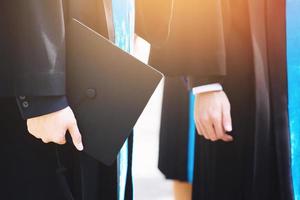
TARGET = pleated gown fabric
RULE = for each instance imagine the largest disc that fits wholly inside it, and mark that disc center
(177, 132)
(256, 165)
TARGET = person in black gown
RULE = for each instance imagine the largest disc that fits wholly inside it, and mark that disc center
(32, 83)
(239, 45)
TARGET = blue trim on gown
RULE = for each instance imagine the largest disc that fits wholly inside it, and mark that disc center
(293, 57)
(123, 19)
(191, 140)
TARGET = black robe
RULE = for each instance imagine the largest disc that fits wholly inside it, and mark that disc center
(256, 165)
(268, 29)
(30, 169)
(173, 139)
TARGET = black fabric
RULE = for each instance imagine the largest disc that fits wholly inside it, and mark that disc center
(28, 167)
(263, 170)
(268, 34)
(178, 46)
(82, 177)
(194, 81)
(61, 176)
(173, 140)
(37, 106)
(69, 170)
(35, 47)
(98, 180)
(90, 12)
(225, 170)
(256, 165)
(6, 86)
(276, 44)
(33, 54)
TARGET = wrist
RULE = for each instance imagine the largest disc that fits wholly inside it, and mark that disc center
(207, 88)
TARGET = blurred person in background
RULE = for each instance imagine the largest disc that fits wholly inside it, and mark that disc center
(234, 55)
(32, 89)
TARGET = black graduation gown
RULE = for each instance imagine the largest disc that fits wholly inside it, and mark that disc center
(173, 139)
(178, 46)
(225, 170)
(268, 29)
(30, 169)
(256, 165)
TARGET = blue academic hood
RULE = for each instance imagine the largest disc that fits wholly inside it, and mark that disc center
(293, 59)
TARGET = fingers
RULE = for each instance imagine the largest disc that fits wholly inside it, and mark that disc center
(205, 127)
(218, 126)
(220, 131)
(47, 135)
(199, 124)
(204, 122)
(204, 133)
(60, 139)
(227, 138)
(76, 136)
(210, 131)
(212, 116)
(200, 129)
(227, 122)
(53, 127)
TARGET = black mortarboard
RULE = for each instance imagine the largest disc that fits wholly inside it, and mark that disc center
(107, 89)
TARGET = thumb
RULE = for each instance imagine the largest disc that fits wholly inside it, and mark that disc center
(76, 136)
(227, 123)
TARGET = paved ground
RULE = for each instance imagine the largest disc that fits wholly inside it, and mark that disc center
(149, 183)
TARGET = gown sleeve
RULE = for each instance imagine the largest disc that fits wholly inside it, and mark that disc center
(191, 44)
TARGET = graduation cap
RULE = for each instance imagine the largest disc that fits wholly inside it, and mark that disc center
(107, 89)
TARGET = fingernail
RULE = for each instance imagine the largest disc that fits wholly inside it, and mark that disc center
(230, 138)
(80, 146)
(228, 128)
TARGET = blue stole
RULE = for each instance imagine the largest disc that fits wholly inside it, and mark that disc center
(123, 19)
(293, 61)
